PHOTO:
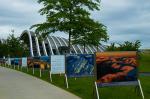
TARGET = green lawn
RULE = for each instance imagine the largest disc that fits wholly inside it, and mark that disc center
(84, 87)
(145, 62)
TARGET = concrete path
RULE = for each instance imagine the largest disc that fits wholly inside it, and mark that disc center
(17, 85)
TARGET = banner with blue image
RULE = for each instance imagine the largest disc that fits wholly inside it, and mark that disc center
(11, 61)
(18, 61)
(45, 59)
(80, 65)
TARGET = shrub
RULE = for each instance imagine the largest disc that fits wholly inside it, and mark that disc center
(126, 46)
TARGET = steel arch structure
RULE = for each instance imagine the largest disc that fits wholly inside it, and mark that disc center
(50, 45)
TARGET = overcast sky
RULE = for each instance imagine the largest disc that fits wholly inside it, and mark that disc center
(126, 20)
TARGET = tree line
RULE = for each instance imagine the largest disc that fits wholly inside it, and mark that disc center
(125, 46)
(13, 47)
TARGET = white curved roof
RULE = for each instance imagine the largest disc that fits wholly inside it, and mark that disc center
(51, 44)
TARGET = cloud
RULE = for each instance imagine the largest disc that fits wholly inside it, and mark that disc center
(126, 20)
(18, 15)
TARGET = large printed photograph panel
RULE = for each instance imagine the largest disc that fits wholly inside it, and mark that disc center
(57, 64)
(24, 61)
(80, 65)
(116, 67)
(42, 62)
(16, 61)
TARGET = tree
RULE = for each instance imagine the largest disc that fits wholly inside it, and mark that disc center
(126, 46)
(13, 47)
(16, 46)
(130, 46)
(112, 47)
(91, 33)
(66, 15)
(3, 48)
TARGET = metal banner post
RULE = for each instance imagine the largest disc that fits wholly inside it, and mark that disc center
(50, 75)
(40, 72)
(27, 69)
(33, 70)
(18, 67)
(97, 93)
(66, 80)
(21, 68)
(141, 88)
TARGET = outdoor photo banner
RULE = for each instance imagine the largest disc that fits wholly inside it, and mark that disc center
(29, 61)
(11, 61)
(45, 59)
(80, 65)
(24, 61)
(57, 64)
(18, 61)
(116, 67)
(36, 58)
(35, 62)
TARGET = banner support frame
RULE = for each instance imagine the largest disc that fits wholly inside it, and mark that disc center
(97, 92)
(14, 67)
(50, 75)
(141, 90)
(27, 69)
(33, 70)
(66, 81)
(40, 72)
(18, 66)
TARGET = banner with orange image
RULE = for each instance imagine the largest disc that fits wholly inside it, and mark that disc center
(116, 66)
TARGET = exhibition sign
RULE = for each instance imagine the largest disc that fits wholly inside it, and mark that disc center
(80, 65)
(45, 59)
(29, 61)
(18, 61)
(57, 64)
(35, 63)
(116, 67)
(24, 61)
(11, 61)
(36, 58)
(15, 61)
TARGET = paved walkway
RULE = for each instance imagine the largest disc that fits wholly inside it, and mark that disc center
(17, 85)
